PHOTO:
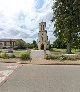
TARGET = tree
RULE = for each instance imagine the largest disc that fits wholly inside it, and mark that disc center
(67, 20)
(29, 46)
(76, 42)
(34, 44)
(21, 44)
(59, 43)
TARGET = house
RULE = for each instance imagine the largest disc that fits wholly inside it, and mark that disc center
(7, 43)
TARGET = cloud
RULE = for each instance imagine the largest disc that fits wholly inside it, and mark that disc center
(20, 18)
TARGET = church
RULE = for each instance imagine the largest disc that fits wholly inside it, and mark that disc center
(43, 42)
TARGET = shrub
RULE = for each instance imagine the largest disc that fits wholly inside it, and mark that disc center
(70, 57)
(52, 57)
(58, 57)
(5, 55)
(25, 56)
(63, 58)
(12, 56)
(48, 57)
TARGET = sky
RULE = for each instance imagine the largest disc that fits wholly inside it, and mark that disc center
(19, 19)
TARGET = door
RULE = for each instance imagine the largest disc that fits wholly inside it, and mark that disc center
(42, 46)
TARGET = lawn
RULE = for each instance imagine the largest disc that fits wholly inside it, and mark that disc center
(56, 51)
(18, 52)
(76, 51)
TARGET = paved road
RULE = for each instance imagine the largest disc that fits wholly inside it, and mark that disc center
(5, 70)
(36, 78)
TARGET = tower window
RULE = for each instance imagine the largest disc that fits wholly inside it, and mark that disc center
(42, 38)
(43, 27)
(42, 33)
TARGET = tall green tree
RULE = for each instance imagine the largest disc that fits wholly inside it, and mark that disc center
(34, 44)
(66, 16)
(59, 43)
(21, 44)
(76, 42)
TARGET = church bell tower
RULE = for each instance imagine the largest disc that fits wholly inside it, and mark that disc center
(43, 42)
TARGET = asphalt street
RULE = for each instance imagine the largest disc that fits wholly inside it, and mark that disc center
(6, 70)
(43, 78)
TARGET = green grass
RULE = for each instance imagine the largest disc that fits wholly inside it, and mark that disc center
(63, 51)
(18, 52)
(58, 51)
(76, 51)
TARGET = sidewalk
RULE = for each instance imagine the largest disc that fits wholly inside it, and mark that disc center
(41, 62)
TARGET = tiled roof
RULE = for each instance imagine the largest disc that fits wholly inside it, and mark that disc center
(9, 39)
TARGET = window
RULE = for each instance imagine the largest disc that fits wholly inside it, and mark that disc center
(42, 38)
(43, 27)
(5, 43)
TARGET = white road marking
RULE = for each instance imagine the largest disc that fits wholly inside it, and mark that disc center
(2, 78)
(6, 72)
(12, 67)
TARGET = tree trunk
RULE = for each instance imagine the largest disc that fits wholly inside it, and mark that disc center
(68, 48)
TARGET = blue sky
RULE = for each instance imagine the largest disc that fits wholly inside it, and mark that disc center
(19, 19)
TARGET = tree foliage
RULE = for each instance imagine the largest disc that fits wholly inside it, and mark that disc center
(59, 43)
(67, 20)
(34, 44)
(76, 42)
(21, 44)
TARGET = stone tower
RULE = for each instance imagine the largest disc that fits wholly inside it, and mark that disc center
(43, 42)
